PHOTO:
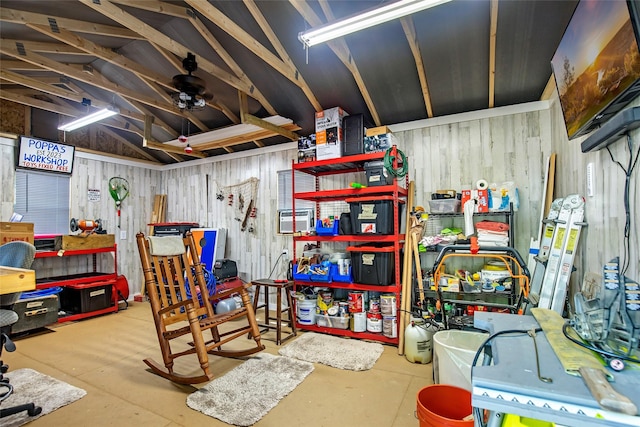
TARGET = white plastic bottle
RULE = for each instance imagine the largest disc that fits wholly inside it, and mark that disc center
(418, 341)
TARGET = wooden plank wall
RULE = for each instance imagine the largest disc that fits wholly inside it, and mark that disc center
(500, 148)
(604, 212)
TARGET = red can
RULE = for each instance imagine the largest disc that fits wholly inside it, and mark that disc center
(356, 301)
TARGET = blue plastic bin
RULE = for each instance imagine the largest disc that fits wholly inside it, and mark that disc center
(327, 231)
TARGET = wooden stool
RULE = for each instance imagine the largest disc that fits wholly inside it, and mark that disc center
(279, 287)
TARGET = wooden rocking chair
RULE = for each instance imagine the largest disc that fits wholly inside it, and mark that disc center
(176, 287)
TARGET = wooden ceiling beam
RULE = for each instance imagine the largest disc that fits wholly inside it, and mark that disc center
(71, 71)
(244, 38)
(412, 38)
(58, 109)
(244, 138)
(492, 52)
(228, 59)
(549, 89)
(340, 48)
(124, 18)
(48, 47)
(164, 8)
(129, 145)
(278, 130)
(275, 42)
(172, 149)
(105, 54)
(22, 17)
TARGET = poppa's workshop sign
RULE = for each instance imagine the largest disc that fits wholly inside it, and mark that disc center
(45, 155)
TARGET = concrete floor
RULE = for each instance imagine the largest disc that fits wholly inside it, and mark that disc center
(103, 355)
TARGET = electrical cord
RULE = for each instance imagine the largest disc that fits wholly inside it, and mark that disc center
(627, 205)
(477, 412)
(600, 351)
(389, 158)
(275, 265)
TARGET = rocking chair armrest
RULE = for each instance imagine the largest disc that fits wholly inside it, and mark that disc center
(227, 292)
(175, 306)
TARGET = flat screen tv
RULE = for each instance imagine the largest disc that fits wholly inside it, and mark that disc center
(597, 63)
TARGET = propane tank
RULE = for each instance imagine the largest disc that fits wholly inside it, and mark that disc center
(418, 341)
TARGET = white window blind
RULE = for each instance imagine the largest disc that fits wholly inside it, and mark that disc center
(43, 199)
(304, 183)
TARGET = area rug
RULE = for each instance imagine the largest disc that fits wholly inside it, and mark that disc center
(341, 353)
(43, 390)
(245, 394)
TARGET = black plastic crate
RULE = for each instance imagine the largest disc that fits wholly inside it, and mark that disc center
(374, 216)
(377, 174)
(86, 297)
(372, 264)
(35, 313)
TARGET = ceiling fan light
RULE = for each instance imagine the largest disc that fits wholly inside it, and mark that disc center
(182, 105)
(200, 102)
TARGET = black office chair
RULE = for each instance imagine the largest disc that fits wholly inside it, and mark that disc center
(19, 255)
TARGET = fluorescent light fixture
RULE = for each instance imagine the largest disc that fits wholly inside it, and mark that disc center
(365, 20)
(91, 118)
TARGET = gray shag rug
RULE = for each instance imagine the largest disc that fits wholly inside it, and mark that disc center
(341, 353)
(43, 390)
(246, 393)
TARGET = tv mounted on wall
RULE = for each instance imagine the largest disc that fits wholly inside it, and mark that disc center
(597, 63)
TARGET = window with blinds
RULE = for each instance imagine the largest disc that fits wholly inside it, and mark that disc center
(43, 199)
(304, 183)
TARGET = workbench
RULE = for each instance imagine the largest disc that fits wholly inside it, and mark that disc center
(510, 385)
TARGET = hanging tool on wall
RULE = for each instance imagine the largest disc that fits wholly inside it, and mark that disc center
(119, 190)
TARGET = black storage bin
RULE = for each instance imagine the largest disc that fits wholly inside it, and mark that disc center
(86, 297)
(34, 313)
(377, 174)
(173, 228)
(374, 216)
(372, 264)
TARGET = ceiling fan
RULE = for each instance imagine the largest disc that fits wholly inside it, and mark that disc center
(192, 92)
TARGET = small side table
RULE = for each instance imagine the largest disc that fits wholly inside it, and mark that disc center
(279, 287)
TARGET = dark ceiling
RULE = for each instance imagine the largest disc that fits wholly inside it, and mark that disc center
(457, 57)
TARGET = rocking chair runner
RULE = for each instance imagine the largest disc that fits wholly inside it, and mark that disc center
(180, 304)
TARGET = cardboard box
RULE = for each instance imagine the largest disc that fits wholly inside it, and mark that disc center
(376, 143)
(380, 130)
(92, 241)
(16, 231)
(307, 148)
(329, 133)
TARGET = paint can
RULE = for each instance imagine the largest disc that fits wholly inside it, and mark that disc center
(374, 305)
(306, 312)
(359, 321)
(389, 326)
(356, 301)
(388, 305)
(374, 322)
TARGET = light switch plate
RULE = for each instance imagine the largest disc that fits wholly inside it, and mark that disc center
(123, 234)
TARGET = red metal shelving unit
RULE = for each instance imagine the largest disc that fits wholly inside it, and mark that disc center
(92, 277)
(396, 192)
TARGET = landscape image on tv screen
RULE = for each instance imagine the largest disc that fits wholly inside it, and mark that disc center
(596, 61)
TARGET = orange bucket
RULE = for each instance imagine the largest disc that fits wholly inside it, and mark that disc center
(443, 405)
